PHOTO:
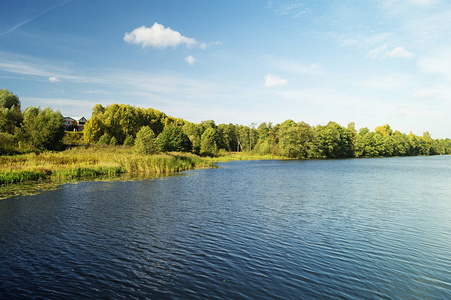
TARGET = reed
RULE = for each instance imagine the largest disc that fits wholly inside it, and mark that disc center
(93, 161)
(9, 177)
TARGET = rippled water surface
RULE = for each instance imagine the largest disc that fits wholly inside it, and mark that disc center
(345, 229)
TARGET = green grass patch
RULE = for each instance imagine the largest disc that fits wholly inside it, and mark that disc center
(11, 177)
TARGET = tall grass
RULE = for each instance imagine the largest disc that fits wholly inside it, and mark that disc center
(92, 161)
(232, 156)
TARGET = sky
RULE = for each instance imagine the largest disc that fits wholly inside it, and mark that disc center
(372, 62)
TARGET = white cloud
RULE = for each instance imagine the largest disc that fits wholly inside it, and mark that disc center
(204, 45)
(400, 52)
(157, 36)
(375, 53)
(54, 79)
(382, 52)
(272, 80)
(190, 59)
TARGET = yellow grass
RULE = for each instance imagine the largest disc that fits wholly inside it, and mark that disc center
(92, 161)
(232, 156)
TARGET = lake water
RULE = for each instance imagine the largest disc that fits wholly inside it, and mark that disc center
(338, 229)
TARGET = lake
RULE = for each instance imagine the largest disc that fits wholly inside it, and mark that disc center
(333, 229)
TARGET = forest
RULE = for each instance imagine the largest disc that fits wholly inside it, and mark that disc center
(150, 131)
(129, 125)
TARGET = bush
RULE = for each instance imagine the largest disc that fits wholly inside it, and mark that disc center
(7, 144)
(104, 139)
(113, 141)
(145, 141)
(71, 137)
(129, 141)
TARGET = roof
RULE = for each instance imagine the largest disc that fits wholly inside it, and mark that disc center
(75, 118)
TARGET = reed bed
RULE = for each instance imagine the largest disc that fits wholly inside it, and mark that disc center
(93, 161)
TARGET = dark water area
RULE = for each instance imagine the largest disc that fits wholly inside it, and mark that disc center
(327, 229)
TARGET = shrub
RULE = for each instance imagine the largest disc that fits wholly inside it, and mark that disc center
(113, 141)
(104, 139)
(145, 141)
(129, 141)
(7, 144)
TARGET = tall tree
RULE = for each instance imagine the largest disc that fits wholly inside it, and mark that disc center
(8, 99)
(227, 137)
(172, 138)
(10, 114)
(289, 139)
(43, 128)
(209, 142)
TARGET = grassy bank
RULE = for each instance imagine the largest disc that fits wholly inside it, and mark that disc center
(94, 161)
(232, 156)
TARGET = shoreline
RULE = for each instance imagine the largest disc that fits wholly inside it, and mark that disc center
(29, 174)
(89, 163)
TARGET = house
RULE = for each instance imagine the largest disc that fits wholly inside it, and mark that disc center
(74, 124)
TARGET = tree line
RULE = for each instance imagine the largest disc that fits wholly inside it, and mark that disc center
(151, 131)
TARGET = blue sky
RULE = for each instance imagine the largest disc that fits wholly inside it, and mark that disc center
(371, 62)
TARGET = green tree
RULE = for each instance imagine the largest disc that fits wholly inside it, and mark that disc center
(289, 139)
(426, 142)
(334, 141)
(194, 135)
(97, 110)
(227, 137)
(401, 144)
(8, 99)
(145, 141)
(44, 129)
(120, 121)
(10, 114)
(327, 141)
(209, 142)
(305, 138)
(172, 138)
(93, 129)
(384, 130)
(264, 144)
